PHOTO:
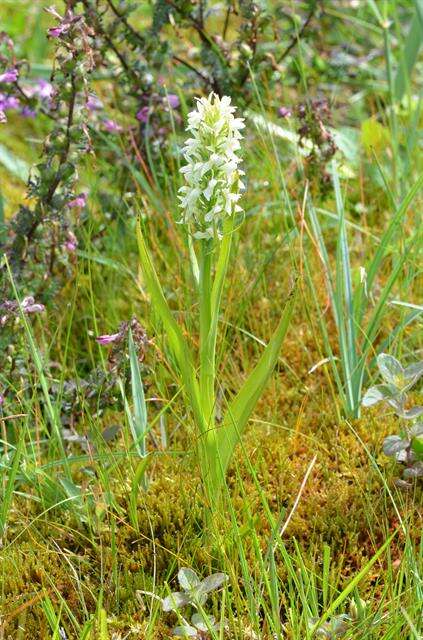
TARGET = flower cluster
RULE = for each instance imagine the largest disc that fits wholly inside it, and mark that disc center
(9, 309)
(27, 99)
(213, 186)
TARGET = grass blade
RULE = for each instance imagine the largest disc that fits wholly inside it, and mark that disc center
(413, 42)
(178, 345)
(353, 584)
(8, 492)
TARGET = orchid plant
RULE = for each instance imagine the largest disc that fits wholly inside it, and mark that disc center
(211, 214)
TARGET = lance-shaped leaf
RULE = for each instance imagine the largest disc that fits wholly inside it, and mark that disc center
(416, 430)
(211, 583)
(178, 345)
(176, 600)
(139, 422)
(413, 373)
(241, 407)
(415, 471)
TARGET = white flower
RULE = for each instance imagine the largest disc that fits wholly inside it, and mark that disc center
(212, 177)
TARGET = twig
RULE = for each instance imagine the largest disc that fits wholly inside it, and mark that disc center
(122, 18)
(296, 38)
(227, 16)
(192, 68)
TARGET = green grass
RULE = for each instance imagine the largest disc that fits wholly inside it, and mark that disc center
(310, 520)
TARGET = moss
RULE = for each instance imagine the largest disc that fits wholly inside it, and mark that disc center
(342, 505)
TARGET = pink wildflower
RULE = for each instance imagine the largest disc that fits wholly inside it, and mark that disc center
(108, 338)
(80, 201)
(111, 126)
(9, 76)
(142, 114)
(173, 100)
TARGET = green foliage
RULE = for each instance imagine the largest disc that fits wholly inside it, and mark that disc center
(406, 448)
(101, 439)
(357, 328)
(216, 442)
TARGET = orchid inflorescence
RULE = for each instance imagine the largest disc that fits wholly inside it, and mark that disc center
(212, 177)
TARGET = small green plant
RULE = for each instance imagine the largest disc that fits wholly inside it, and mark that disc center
(407, 447)
(338, 626)
(211, 213)
(195, 593)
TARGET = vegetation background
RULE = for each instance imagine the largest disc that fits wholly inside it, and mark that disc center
(314, 533)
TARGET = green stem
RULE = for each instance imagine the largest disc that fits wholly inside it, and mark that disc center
(210, 301)
(207, 356)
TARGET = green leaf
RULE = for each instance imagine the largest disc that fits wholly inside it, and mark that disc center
(73, 492)
(185, 631)
(14, 165)
(414, 371)
(2, 219)
(212, 583)
(374, 136)
(102, 624)
(242, 406)
(396, 222)
(188, 579)
(393, 445)
(379, 393)
(417, 446)
(140, 410)
(416, 430)
(390, 370)
(138, 479)
(411, 414)
(7, 495)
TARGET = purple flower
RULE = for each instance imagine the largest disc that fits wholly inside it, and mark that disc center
(111, 126)
(8, 102)
(30, 306)
(43, 89)
(9, 76)
(80, 201)
(108, 338)
(1, 399)
(283, 112)
(173, 100)
(142, 114)
(56, 32)
(93, 103)
(27, 112)
(71, 242)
